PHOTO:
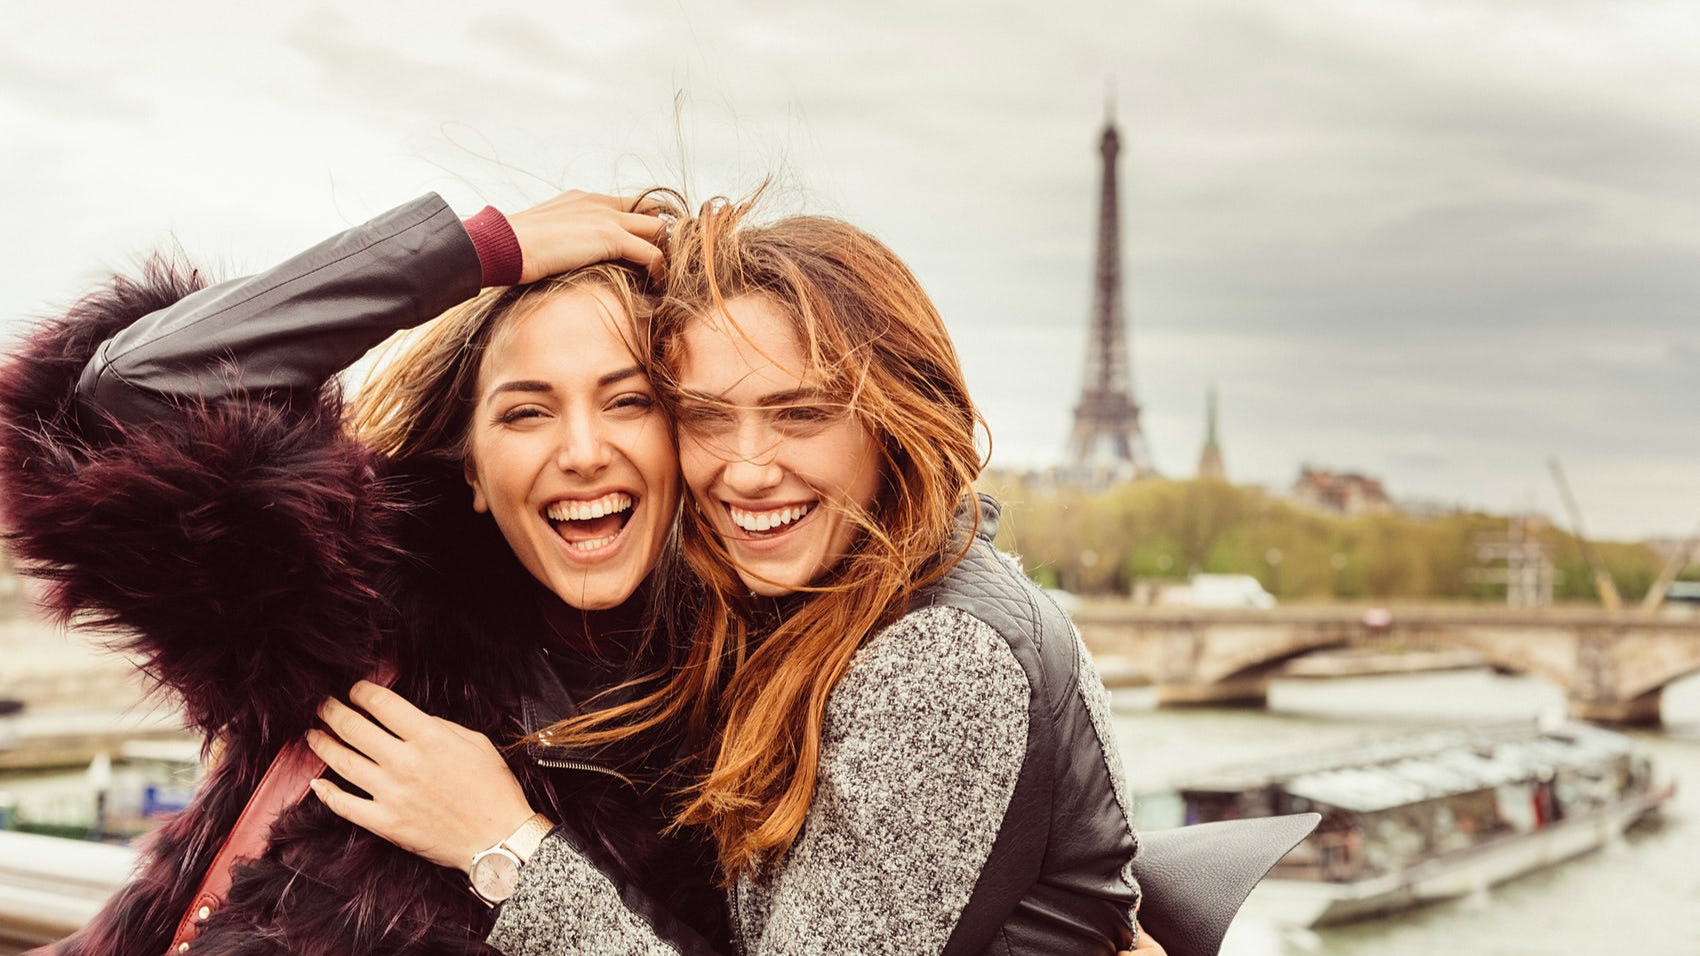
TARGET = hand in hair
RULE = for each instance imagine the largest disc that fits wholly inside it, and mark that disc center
(579, 229)
(437, 789)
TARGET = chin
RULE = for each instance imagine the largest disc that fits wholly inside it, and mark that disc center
(767, 588)
(776, 583)
(590, 595)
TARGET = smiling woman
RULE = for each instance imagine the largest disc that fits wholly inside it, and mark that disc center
(569, 451)
(781, 469)
(178, 470)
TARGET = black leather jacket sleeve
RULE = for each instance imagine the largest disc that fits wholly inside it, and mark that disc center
(284, 332)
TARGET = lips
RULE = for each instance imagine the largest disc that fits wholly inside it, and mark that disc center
(586, 524)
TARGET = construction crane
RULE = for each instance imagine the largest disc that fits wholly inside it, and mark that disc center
(1602, 577)
(1679, 559)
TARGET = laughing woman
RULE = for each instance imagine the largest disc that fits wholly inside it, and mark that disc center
(176, 467)
(908, 747)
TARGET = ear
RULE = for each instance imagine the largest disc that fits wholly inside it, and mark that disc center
(480, 503)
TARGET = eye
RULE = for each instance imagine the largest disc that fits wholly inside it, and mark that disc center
(703, 418)
(519, 413)
(634, 401)
(803, 415)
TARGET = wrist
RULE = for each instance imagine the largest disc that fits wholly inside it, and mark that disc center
(500, 258)
(494, 871)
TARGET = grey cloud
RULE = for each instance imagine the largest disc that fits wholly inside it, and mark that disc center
(1401, 238)
(59, 93)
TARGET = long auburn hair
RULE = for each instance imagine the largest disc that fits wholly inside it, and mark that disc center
(754, 681)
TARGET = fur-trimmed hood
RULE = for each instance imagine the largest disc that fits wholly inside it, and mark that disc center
(255, 559)
(235, 549)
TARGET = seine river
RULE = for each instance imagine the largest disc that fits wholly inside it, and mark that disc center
(1640, 896)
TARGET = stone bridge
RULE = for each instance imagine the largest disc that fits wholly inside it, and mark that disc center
(1612, 665)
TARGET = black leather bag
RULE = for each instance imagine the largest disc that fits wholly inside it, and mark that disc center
(1194, 879)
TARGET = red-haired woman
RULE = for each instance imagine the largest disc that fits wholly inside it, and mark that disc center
(907, 747)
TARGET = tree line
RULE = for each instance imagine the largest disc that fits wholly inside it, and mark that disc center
(1101, 543)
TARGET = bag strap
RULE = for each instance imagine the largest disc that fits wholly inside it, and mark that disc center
(284, 785)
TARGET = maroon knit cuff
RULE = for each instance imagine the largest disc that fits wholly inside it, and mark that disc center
(499, 255)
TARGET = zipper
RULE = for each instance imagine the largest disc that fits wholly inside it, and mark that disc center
(577, 765)
(737, 896)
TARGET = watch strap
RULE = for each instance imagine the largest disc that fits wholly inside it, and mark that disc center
(525, 840)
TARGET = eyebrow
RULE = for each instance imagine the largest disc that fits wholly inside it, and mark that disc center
(540, 387)
(793, 397)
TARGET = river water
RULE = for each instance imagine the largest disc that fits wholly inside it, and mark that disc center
(1640, 896)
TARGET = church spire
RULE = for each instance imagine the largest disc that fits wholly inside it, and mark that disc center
(1210, 461)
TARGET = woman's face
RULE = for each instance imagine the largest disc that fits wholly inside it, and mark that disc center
(778, 467)
(570, 452)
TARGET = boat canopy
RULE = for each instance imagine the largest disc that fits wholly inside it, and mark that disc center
(1441, 765)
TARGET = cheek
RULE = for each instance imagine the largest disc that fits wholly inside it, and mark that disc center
(697, 464)
(498, 463)
(652, 450)
(859, 460)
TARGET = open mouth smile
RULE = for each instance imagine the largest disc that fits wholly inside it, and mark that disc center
(770, 523)
(587, 525)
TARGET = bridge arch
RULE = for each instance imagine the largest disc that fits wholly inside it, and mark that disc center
(1612, 666)
(1657, 680)
(1224, 662)
(1535, 659)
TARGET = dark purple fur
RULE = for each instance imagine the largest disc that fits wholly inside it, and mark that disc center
(257, 560)
(246, 532)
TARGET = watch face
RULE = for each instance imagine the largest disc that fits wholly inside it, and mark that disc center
(495, 873)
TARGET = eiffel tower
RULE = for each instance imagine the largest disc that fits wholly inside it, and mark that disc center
(1106, 443)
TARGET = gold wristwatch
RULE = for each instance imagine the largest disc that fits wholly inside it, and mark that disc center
(495, 872)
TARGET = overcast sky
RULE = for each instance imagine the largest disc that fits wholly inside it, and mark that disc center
(1433, 240)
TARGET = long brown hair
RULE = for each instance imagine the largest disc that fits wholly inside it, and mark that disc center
(754, 688)
(418, 405)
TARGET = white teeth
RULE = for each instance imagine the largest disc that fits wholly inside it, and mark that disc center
(767, 520)
(592, 544)
(608, 504)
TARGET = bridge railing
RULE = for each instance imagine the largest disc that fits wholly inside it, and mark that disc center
(50, 886)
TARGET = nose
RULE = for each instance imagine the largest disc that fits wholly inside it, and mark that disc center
(752, 465)
(584, 449)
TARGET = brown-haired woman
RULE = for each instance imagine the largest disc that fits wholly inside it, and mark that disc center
(909, 747)
(177, 468)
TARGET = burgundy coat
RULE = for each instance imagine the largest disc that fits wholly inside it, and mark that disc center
(258, 560)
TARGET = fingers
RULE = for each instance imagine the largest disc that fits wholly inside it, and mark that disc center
(352, 766)
(647, 205)
(391, 709)
(641, 253)
(355, 730)
(650, 228)
(362, 813)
